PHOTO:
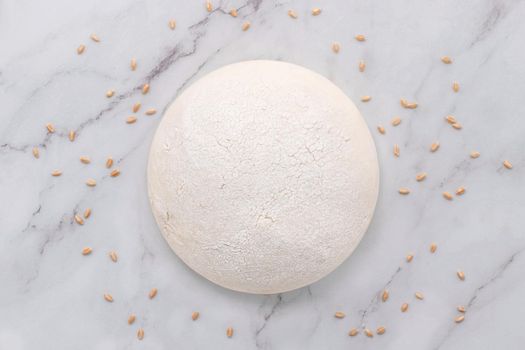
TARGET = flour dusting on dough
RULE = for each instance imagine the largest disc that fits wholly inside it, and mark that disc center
(263, 176)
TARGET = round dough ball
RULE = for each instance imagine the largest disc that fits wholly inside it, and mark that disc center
(263, 176)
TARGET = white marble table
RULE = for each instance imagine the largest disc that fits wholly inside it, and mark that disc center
(51, 296)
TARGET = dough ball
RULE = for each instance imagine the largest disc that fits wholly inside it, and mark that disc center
(263, 176)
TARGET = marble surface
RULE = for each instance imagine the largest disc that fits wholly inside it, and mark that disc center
(51, 296)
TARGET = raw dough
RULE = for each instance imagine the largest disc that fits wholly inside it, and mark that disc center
(263, 176)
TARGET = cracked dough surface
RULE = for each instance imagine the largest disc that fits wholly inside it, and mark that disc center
(263, 176)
